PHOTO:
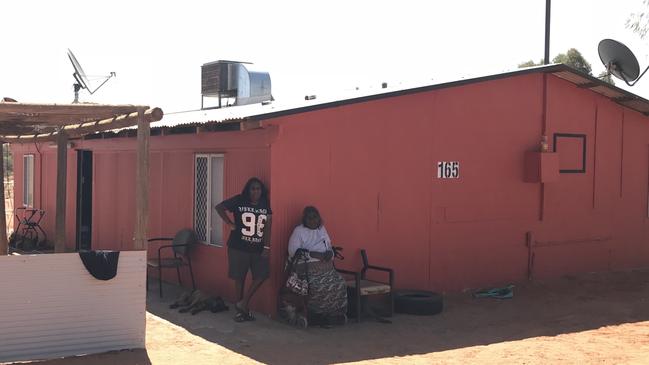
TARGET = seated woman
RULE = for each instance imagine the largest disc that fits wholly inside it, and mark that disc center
(327, 289)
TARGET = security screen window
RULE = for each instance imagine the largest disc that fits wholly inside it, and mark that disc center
(208, 192)
(28, 180)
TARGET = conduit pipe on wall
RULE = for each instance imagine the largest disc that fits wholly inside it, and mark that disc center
(529, 241)
(544, 137)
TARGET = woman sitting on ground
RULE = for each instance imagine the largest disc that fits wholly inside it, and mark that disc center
(327, 289)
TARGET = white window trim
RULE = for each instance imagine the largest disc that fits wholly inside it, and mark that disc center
(210, 209)
(30, 193)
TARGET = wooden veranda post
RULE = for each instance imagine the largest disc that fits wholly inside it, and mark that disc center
(3, 216)
(61, 184)
(142, 182)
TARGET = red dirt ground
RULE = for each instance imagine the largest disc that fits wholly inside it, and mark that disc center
(595, 318)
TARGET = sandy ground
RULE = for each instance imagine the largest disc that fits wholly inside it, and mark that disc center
(595, 318)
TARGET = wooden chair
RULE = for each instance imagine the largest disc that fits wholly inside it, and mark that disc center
(363, 287)
(181, 244)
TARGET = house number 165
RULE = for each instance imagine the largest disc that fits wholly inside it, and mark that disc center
(448, 170)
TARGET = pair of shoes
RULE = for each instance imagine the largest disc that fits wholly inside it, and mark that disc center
(242, 315)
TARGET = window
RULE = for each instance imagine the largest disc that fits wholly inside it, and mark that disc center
(208, 191)
(28, 180)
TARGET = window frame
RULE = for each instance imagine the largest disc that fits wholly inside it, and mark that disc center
(210, 211)
(583, 141)
(28, 186)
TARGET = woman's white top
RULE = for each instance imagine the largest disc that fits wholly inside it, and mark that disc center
(310, 239)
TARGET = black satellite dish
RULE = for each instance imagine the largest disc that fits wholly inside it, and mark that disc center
(82, 81)
(619, 61)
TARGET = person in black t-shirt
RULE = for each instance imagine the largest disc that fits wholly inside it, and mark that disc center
(248, 245)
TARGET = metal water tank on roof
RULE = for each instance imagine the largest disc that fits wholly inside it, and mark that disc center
(233, 79)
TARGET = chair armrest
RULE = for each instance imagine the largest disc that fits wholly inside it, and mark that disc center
(357, 278)
(160, 239)
(380, 268)
(171, 246)
(343, 271)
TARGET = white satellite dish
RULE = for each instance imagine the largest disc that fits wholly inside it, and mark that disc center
(82, 81)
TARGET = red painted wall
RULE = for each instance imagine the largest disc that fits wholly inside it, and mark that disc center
(170, 195)
(371, 169)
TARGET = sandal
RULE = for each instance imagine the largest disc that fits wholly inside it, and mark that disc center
(242, 316)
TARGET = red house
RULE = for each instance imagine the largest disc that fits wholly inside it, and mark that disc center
(451, 185)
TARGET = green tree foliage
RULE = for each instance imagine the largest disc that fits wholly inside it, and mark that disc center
(639, 22)
(530, 63)
(574, 59)
(606, 77)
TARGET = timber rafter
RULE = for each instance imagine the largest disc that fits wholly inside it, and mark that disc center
(21, 122)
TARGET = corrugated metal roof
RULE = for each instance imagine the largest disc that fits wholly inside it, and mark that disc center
(572, 77)
(276, 109)
(607, 91)
(245, 112)
(640, 105)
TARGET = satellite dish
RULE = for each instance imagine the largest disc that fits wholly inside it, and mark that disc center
(82, 81)
(619, 61)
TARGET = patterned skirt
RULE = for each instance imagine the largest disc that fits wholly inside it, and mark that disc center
(327, 289)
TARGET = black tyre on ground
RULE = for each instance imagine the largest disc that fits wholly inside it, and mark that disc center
(419, 302)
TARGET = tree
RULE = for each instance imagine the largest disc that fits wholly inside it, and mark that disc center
(530, 63)
(606, 77)
(639, 22)
(574, 59)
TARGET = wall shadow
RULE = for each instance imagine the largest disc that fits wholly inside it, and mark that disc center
(566, 305)
(123, 357)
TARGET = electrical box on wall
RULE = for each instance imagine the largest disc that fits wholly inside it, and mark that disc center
(541, 167)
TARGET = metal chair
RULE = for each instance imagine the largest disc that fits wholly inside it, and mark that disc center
(26, 236)
(181, 244)
(362, 287)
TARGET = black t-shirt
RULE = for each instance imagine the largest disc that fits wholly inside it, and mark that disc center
(250, 220)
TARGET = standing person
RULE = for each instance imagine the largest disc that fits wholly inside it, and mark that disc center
(249, 242)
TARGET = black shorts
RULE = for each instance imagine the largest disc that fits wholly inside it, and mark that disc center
(239, 262)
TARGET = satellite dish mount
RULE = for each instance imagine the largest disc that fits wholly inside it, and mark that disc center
(82, 81)
(620, 61)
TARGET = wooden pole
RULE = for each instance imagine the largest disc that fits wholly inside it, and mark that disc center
(3, 216)
(61, 184)
(142, 182)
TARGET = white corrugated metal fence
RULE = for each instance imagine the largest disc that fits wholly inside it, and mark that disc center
(50, 306)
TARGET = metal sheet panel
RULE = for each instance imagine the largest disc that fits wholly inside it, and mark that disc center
(572, 77)
(607, 91)
(637, 105)
(52, 307)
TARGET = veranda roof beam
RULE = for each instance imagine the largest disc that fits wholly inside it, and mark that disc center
(80, 129)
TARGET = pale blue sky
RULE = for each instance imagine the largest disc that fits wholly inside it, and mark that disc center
(157, 48)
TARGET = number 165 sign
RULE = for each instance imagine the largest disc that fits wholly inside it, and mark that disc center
(448, 170)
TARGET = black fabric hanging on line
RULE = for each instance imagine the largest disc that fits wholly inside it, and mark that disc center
(100, 264)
